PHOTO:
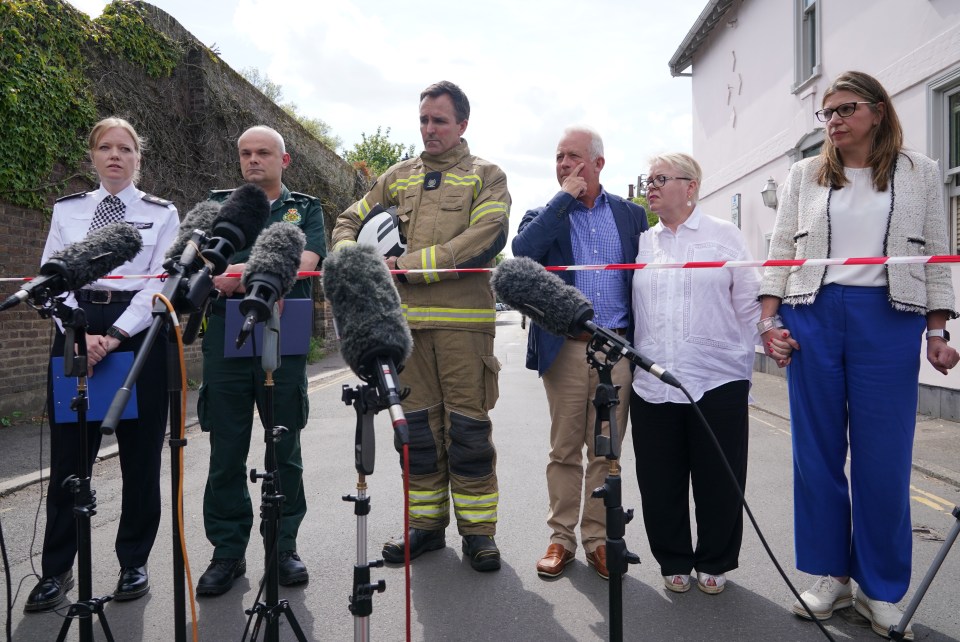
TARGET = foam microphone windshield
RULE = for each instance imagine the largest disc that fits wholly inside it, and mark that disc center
(201, 218)
(240, 219)
(366, 308)
(270, 273)
(101, 252)
(525, 285)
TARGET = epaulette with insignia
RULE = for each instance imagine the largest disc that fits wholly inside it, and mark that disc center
(156, 200)
(69, 196)
(302, 195)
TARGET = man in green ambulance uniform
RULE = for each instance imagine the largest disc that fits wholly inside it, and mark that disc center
(232, 386)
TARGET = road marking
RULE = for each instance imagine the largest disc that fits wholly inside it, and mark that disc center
(326, 383)
(926, 502)
(931, 500)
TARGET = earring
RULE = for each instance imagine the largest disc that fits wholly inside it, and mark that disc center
(689, 203)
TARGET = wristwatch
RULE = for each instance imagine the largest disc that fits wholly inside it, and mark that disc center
(941, 334)
(115, 332)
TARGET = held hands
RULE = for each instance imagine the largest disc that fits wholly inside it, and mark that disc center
(940, 355)
(574, 184)
(229, 286)
(779, 345)
(98, 347)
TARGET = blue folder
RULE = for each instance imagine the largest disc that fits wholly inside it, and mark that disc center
(296, 326)
(108, 376)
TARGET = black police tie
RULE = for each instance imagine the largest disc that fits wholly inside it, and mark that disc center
(110, 210)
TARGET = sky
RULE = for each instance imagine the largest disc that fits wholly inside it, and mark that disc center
(529, 67)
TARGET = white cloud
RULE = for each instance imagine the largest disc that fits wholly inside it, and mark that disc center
(529, 68)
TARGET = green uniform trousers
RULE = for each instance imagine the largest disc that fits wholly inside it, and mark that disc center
(227, 395)
(452, 376)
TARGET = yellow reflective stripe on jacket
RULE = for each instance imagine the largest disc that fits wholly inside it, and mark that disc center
(453, 315)
(476, 508)
(428, 261)
(487, 208)
(403, 183)
(363, 209)
(470, 179)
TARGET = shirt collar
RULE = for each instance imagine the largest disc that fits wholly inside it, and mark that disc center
(127, 195)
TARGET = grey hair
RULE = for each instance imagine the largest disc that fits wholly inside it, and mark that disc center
(596, 143)
(685, 164)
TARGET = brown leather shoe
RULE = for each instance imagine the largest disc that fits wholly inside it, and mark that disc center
(553, 563)
(598, 560)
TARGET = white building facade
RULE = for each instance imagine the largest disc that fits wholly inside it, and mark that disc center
(759, 69)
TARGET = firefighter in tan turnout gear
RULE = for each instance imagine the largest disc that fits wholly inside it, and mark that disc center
(452, 208)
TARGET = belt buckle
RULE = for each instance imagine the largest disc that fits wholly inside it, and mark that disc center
(97, 295)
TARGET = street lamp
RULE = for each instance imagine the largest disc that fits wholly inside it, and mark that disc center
(769, 194)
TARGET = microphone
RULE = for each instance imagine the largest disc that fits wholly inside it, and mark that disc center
(562, 309)
(240, 219)
(199, 218)
(374, 337)
(80, 263)
(270, 273)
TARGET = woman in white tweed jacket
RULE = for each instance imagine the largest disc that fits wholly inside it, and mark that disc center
(851, 337)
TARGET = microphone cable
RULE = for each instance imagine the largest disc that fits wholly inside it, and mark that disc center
(181, 437)
(746, 508)
(406, 531)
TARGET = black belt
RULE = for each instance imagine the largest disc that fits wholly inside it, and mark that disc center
(586, 336)
(104, 297)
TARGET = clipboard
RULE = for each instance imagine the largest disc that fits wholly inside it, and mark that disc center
(296, 325)
(108, 375)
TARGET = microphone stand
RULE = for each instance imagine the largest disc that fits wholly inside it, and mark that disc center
(617, 518)
(84, 497)
(896, 632)
(188, 288)
(271, 498)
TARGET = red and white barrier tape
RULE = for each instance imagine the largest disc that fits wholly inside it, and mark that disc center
(867, 260)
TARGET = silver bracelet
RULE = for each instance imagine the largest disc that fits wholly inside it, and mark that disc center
(770, 323)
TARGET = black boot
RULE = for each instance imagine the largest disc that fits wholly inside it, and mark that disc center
(421, 541)
(292, 569)
(133, 583)
(482, 551)
(49, 592)
(219, 576)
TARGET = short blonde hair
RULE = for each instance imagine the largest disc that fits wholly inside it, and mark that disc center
(112, 122)
(685, 164)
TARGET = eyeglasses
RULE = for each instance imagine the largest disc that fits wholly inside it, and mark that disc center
(660, 181)
(843, 111)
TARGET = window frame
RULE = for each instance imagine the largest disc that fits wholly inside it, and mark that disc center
(807, 42)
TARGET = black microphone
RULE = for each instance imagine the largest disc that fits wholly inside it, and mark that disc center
(201, 218)
(374, 337)
(562, 309)
(270, 273)
(101, 252)
(240, 219)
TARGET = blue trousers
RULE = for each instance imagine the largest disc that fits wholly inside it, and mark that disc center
(853, 386)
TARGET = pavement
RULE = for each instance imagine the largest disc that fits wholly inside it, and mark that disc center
(936, 449)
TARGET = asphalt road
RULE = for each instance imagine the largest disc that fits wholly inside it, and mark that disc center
(450, 601)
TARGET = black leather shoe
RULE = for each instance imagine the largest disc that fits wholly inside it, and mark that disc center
(133, 583)
(49, 592)
(421, 541)
(219, 576)
(292, 569)
(482, 551)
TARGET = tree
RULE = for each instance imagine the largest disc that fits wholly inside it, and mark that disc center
(377, 153)
(318, 128)
(652, 219)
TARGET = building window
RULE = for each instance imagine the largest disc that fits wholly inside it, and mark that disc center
(807, 146)
(806, 41)
(944, 144)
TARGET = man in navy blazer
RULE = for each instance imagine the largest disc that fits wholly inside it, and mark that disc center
(581, 225)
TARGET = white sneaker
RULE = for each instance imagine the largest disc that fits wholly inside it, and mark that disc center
(826, 595)
(882, 615)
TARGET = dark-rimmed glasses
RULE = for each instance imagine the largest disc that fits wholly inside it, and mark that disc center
(844, 110)
(660, 181)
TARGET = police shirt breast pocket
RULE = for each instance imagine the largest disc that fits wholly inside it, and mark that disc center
(148, 231)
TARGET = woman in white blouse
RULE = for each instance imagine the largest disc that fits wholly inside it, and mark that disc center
(117, 313)
(700, 325)
(851, 338)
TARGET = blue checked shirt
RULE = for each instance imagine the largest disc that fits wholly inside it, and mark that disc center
(595, 240)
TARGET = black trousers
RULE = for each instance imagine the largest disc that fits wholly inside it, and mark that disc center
(673, 449)
(140, 443)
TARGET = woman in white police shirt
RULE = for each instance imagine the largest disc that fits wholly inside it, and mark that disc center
(118, 311)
